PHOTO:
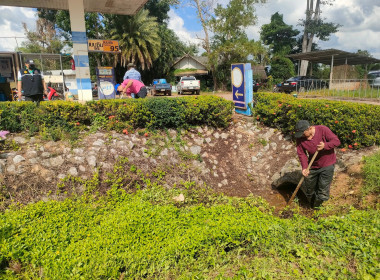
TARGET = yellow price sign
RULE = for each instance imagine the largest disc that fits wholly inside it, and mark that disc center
(103, 46)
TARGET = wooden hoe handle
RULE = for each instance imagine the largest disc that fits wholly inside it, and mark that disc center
(303, 178)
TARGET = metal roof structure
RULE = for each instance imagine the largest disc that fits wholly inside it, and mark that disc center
(122, 7)
(335, 57)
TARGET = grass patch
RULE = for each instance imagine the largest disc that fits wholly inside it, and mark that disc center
(371, 172)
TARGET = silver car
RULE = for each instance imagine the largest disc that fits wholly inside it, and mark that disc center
(374, 78)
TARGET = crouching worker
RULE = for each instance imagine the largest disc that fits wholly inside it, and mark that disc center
(133, 88)
(318, 179)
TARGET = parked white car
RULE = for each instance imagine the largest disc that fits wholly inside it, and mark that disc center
(189, 84)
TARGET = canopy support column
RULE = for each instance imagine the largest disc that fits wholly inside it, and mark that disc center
(331, 70)
(80, 50)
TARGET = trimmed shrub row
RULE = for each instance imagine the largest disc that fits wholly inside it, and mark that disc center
(355, 124)
(149, 113)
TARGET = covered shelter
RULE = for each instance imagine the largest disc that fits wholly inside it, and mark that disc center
(77, 8)
(334, 57)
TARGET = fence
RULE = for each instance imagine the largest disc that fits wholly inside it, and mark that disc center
(341, 88)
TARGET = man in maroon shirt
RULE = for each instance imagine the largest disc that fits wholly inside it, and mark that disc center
(318, 179)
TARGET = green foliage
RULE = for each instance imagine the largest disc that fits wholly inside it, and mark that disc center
(281, 68)
(230, 43)
(64, 120)
(146, 234)
(371, 172)
(278, 35)
(355, 124)
(137, 35)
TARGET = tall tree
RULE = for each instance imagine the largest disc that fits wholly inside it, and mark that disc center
(314, 26)
(43, 40)
(280, 36)
(138, 37)
(227, 24)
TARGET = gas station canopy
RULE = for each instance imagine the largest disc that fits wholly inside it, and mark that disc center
(123, 7)
(333, 56)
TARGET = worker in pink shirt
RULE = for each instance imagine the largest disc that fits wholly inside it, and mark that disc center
(133, 89)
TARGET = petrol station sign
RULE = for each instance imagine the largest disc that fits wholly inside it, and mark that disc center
(106, 82)
(111, 46)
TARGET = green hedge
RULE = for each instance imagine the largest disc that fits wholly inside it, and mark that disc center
(356, 124)
(116, 114)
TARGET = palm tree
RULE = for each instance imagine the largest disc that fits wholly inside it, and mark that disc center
(138, 38)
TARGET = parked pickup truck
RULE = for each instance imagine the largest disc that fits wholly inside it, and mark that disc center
(160, 86)
(189, 84)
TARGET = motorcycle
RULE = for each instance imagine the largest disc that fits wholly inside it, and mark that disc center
(52, 94)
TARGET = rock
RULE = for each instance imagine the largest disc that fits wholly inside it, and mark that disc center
(31, 154)
(224, 135)
(17, 159)
(172, 133)
(290, 173)
(225, 182)
(164, 152)
(216, 135)
(180, 198)
(6, 155)
(198, 141)
(105, 165)
(205, 155)
(19, 140)
(98, 142)
(82, 168)
(73, 171)
(95, 149)
(57, 161)
(273, 146)
(91, 161)
(195, 150)
(254, 159)
(45, 154)
(78, 151)
(77, 159)
(268, 134)
(61, 176)
(11, 169)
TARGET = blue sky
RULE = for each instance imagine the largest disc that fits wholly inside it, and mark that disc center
(359, 19)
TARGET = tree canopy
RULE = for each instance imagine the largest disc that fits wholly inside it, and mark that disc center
(280, 36)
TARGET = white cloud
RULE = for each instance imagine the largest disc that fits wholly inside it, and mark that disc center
(11, 26)
(359, 19)
(177, 24)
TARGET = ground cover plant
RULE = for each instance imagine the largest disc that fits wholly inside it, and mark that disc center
(356, 124)
(138, 231)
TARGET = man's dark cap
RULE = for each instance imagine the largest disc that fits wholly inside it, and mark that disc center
(30, 62)
(301, 126)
